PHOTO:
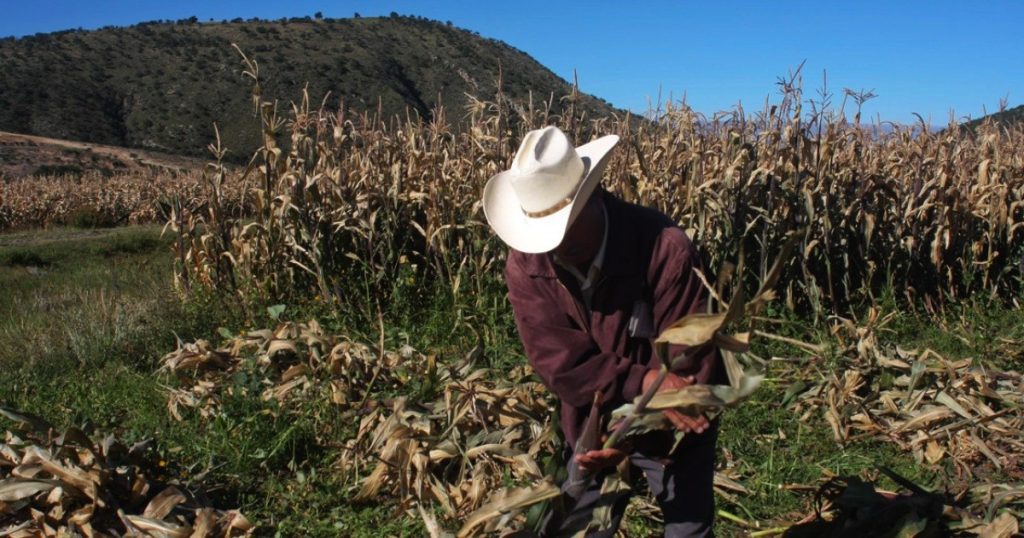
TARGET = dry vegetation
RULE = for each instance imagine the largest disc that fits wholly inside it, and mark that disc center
(94, 199)
(456, 453)
(928, 216)
(455, 450)
(68, 484)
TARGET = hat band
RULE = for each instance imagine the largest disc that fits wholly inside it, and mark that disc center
(549, 211)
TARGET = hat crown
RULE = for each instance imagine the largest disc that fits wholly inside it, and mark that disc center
(546, 170)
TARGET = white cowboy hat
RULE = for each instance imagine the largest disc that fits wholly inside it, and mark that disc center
(532, 205)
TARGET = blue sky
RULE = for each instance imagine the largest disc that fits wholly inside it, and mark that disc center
(926, 57)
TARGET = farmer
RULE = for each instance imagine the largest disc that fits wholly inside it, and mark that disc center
(592, 280)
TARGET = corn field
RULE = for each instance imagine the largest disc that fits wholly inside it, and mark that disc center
(94, 199)
(336, 198)
(356, 210)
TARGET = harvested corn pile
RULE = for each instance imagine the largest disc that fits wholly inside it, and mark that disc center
(849, 507)
(69, 485)
(483, 430)
(479, 433)
(294, 361)
(458, 449)
(942, 411)
(927, 404)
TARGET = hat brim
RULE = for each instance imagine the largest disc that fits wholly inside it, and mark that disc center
(534, 235)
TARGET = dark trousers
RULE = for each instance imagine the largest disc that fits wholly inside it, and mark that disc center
(682, 484)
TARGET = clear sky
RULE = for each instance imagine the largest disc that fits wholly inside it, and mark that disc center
(929, 57)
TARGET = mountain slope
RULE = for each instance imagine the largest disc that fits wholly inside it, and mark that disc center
(1010, 116)
(162, 85)
(26, 155)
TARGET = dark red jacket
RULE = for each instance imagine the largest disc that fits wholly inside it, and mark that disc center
(577, 351)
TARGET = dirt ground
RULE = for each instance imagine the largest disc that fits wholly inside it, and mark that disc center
(25, 155)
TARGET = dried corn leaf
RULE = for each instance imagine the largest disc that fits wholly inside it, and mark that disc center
(497, 449)
(156, 528)
(1004, 526)
(281, 346)
(16, 489)
(736, 343)
(83, 481)
(373, 483)
(692, 330)
(924, 417)
(948, 401)
(233, 520)
(506, 502)
(205, 523)
(696, 399)
(430, 522)
(37, 424)
(165, 501)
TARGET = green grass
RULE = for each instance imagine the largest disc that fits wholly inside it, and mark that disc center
(87, 314)
(85, 300)
(981, 329)
(769, 462)
(84, 320)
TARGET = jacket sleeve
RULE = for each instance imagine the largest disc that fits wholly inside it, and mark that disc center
(564, 355)
(677, 292)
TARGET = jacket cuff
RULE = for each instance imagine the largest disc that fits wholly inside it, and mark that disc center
(634, 382)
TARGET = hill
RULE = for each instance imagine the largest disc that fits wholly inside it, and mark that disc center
(26, 155)
(161, 85)
(1009, 116)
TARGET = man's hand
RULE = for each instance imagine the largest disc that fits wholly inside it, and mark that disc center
(596, 460)
(682, 422)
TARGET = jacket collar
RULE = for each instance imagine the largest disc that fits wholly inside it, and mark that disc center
(620, 256)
